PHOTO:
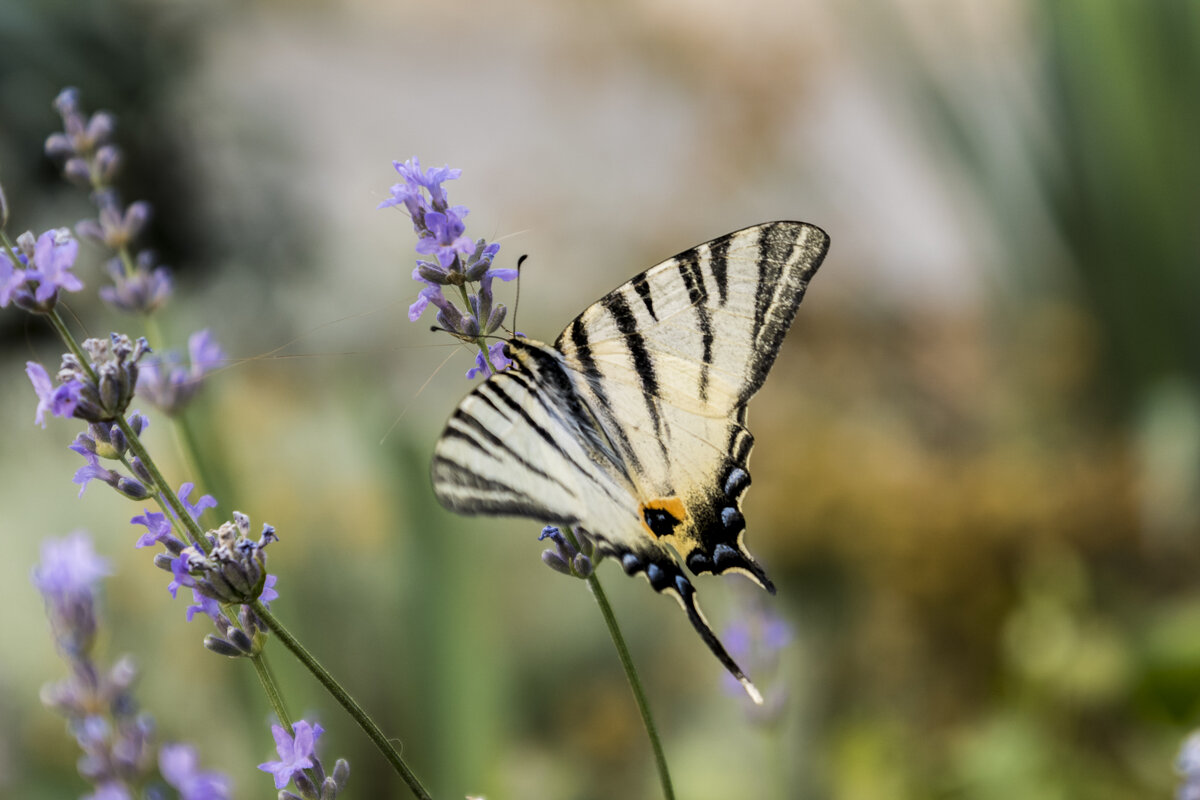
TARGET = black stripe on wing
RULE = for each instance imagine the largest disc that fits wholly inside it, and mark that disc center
(693, 281)
(595, 381)
(469, 429)
(643, 364)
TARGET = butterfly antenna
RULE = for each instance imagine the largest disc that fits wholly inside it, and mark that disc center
(517, 299)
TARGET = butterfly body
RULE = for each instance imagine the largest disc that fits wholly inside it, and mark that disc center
(632, 426)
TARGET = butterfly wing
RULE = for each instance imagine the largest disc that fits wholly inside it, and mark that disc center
(667, 363)
(633, 426)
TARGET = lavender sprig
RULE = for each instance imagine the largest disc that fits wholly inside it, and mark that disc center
(89, 158)
(459, 262)
(117, 740)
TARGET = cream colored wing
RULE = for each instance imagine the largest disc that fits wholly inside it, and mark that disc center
(667, 363)
(633, 427)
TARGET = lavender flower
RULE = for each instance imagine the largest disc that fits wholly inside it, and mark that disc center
(115, 227)
(44, 268)
(459, 261)
(90, 159)
(117, 741)
(67, 578)
(83, 147)
(143, 290)
(295, 752)
(170, 385)
(299, 764)
(231, 573)
(97, 392)
(566, 557)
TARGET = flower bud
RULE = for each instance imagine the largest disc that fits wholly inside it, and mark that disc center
(221, 647)
(108, 163)
(77, 171)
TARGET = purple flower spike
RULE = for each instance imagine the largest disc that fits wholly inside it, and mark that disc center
(295, 753)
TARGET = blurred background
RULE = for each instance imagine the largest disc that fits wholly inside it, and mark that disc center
(977, 482)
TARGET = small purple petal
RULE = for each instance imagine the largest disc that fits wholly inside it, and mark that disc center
(204, 352)
(205, 501)
(158, 527)
(480, 368)
(90, 471)
(53, 257)
(414, 311)
(11, 279)
(268, 591)
(179, 568)
(294, 753)
(503, 274)
(204, 605)
(44, 389)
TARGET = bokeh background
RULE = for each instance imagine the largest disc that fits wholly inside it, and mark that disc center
(977, 482)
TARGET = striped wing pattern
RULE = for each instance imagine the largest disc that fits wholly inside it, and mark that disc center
(632, 426)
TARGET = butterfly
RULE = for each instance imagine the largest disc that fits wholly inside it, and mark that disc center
(632, 425)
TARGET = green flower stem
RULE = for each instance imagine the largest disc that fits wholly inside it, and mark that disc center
(194, 531)
(343, 698)
(271, 687)
(69, 340)
(631, 674)
(185, 440)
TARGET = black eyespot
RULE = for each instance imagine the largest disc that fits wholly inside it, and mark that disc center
(660, 521)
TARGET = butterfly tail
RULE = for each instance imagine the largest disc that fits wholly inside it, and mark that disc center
(666, 577)
(687, 598)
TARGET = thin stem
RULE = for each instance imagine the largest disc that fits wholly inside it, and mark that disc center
(343, 698)
(185, 440)
(64, 333)
(195, 533)
(271, 687)
(631, 674)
